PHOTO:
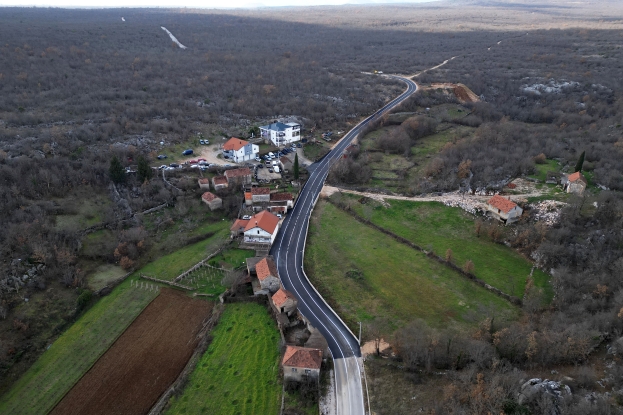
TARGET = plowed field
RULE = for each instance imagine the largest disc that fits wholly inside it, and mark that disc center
(143, 362)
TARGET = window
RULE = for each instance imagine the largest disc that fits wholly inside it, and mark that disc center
(294, 369)
(258, 232)
(307, 371)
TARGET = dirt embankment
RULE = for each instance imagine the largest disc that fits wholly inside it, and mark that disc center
(461, 91)
(143, 362)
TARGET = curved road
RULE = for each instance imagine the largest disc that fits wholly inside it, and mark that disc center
(288, 251)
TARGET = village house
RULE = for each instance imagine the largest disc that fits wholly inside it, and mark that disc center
(267, 276)
(213, 201)
(281, 202)
(204, 183)
(248, 198)
(219, 182)
(574, 183)
(504, 209)
(286, 163)
(238, 227)
(261, 228)
(284, 302)
(240, 176)
(301, 363)
(240, 150)
(260, 195)
(280, 134)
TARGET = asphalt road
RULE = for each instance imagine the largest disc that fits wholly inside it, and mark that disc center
(288, 251)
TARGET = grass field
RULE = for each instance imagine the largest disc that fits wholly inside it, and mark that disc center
(75, 351)
(367, 274)
(542, 169)
(239, 373)
(104, 274)
(432, 225)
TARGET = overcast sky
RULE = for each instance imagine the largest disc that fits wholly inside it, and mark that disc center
(193, 3)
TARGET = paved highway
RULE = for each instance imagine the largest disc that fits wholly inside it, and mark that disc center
(288, 251)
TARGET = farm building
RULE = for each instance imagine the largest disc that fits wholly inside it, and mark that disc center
(240, 150)
(238, 176)
(503, 209)
(267, 276)
(281, 134)
(238, 227)
(574, 183)
(281, 202)
(261, 228)
(284, 301)
(212, 200)
(286, 163)
(260, 195)
(301, 363)
(219, 182)
(204, 183)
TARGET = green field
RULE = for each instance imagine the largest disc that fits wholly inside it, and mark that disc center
(542, 169)
(77, 349)
(432, 225)
(105, 274)
(239, 373)
(367, 274)
(74, 352)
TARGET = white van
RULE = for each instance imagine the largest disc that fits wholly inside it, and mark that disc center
(276, 169)
(271, 155)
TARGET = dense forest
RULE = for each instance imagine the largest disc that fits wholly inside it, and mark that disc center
(79, 87)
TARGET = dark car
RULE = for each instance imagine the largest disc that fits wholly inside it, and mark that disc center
(174, 165)
(261, 166)
(162, 156)
(299, 145)
(187, 152)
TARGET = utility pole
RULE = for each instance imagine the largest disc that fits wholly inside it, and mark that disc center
(360, 333)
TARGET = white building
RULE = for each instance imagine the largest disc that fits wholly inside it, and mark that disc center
(281, 134)
(240, 150)
(261, 228)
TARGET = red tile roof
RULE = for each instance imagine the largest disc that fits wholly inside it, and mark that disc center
(284, 160)
(204, 180)
(238, 225)
(260, 191)
(234, 144)
(263, 220)
(281, 296)
(501, 203)
(280, 197)
(576, 176)
(219, 180)
(265, 268)
(247, 195)
(208, 196)
(238, 172)
(302, 357)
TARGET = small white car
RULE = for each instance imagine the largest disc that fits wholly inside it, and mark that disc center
(246, 217)
(279, 215)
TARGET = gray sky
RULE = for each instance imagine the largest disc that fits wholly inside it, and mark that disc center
(193, 3)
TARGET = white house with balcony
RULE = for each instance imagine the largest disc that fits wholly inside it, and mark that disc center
(281, 134)
(240, 150)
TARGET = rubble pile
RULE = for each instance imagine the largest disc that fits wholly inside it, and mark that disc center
(468, 204)
(547, 211)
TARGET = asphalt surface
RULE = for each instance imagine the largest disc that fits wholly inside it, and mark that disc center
(288, 251)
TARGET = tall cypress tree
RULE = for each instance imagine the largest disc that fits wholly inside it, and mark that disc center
(144, 171)
(578, 166)
(296, 166)
(117, 174)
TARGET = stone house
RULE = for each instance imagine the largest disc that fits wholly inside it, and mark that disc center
(575, 183)
(204, 183)
(504, 209)
(286, 163)
(212, 200)
(301, 363)
(240, 176)
(219, 182)
(238, 227)
(260, 195)
(284, 302)
(267, 275)
(281, 202)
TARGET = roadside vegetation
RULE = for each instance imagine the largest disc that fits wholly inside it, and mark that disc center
(367, 275)
(239, 373)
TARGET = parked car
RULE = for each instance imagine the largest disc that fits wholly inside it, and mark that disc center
(257, 159)
(194, 166)
(187, 152)
(164, 166)
(279, 215)
(201, 142)
(299, 145)
(275, 162)
(261, 166)
(162, 156)
(276, 168)
(228, 165)
(246, 217)
(174, 165)
(270, 170)
(200, 160)
(271, 154)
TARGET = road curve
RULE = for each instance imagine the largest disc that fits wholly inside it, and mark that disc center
(288, 251)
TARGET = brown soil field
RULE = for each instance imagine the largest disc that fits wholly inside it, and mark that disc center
(143, 362)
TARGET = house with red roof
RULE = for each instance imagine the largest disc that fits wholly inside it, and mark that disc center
(261, 228)
(574, 183)
(284, 302)
(219, 182)
(267, 276)
(238, 176)
(239, 150)
(281, 202)
(212, 200)
(260, 194)
(204, 183)
(504, 209)
(301, 363)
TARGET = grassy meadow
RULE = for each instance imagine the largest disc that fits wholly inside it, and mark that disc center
(239, 373)
(367, 274)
